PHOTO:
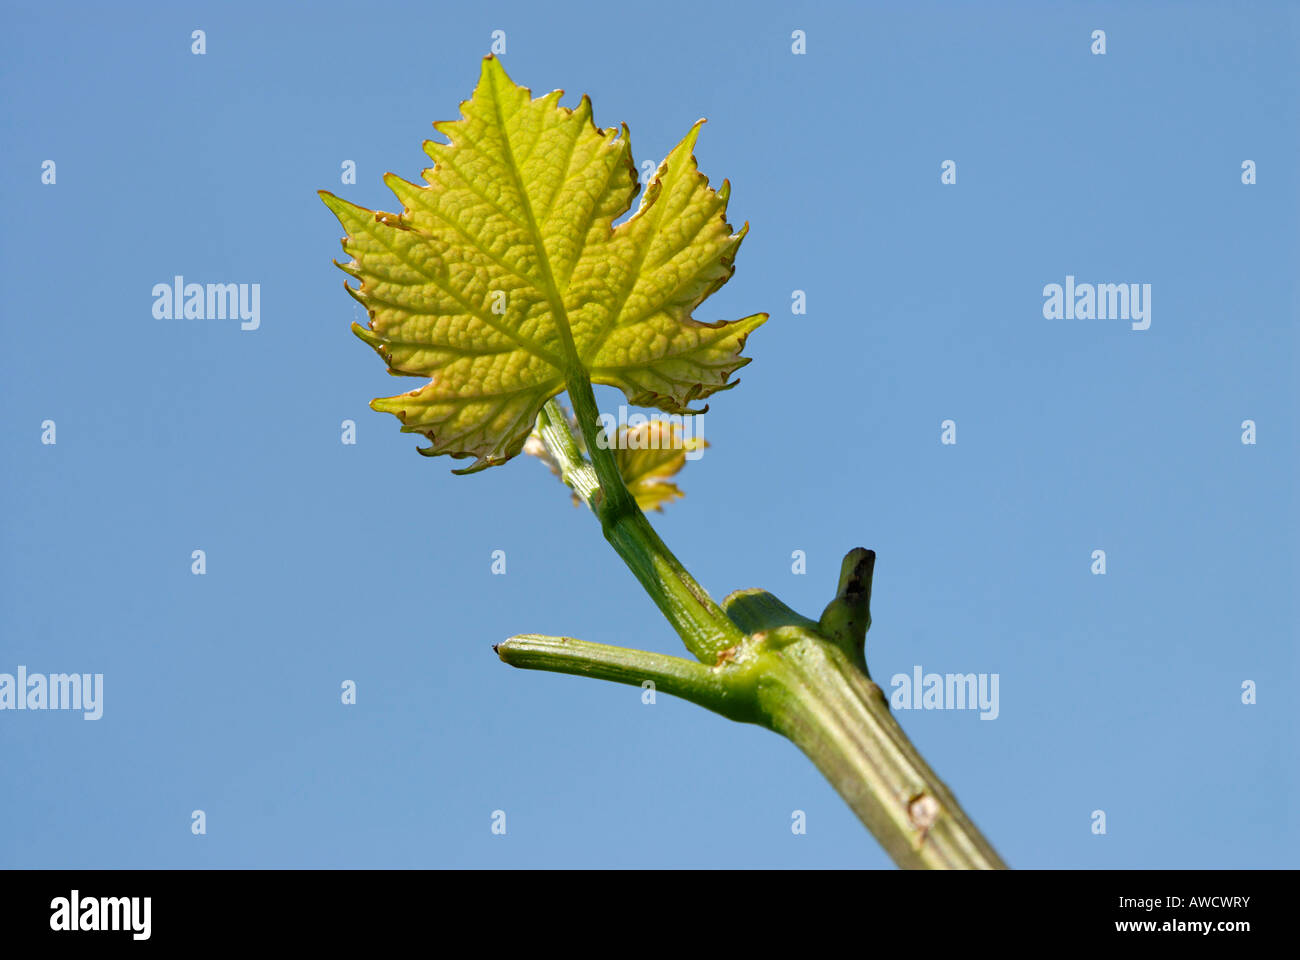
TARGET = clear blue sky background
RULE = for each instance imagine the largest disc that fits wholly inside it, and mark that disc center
(369, 563)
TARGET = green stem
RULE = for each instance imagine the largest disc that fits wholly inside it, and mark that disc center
(812, 693)
(762, 663)
(698, 620)
(615, 499)
(575, 471)
(692, 681)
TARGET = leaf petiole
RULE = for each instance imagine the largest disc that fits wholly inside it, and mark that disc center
(699, 621)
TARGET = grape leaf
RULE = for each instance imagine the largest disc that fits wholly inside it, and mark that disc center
(648, 456)
(503, 277)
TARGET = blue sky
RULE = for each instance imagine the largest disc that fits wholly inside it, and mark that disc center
(329, 562)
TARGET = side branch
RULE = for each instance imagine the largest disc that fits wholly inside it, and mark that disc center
(719, 689)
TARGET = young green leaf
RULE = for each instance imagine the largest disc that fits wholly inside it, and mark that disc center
(503, 278)
(650, 454)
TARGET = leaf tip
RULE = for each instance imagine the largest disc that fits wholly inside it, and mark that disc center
(482, 463)
(353, 292)
(336, 204)
(369, 336)
(494, 71)
(693, 135)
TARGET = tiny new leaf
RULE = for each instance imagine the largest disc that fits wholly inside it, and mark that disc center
(648, 455)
